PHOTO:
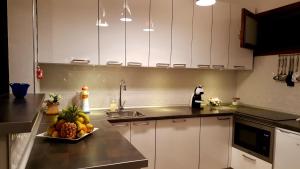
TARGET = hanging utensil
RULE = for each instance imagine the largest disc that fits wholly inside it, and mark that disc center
(276, 77)
(283, 74)
(289, 77)
(296, 75)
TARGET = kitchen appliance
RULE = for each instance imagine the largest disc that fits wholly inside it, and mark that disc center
(254, 137)
(197, 97)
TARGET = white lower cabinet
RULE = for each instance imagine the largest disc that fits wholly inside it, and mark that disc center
(287, 150)
(123, 128)
(177, 143)
(215, 142)
(242, 160)
(143, 138)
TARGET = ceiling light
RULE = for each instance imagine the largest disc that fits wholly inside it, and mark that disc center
(148, 30)
(126, 19)
(205, 2)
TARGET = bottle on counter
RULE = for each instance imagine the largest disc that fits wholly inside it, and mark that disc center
(85, 99)
(113, 107)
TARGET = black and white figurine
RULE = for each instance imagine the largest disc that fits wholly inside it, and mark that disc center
(197, 97)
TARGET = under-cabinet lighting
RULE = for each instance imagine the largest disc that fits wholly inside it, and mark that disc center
(205, 2)
(148, 30)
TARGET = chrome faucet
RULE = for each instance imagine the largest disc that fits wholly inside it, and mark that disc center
(122, 87)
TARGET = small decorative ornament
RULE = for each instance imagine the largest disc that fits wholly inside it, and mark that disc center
(39, 73)
(53, 104)
(214, 102)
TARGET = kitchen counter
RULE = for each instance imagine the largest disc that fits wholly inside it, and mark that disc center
(18, 115)
(160, 113)
(290, 125)
(104, 149)
(107, 149)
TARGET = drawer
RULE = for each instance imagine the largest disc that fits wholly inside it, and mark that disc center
(242, 160)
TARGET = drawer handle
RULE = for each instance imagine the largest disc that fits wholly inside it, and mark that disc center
(141, 124)
(239, 67)
(179, 120)
(114, 63)
(179, 65)
(80, 61)
(221, 67)
(120, 125)
(249, 158)
(203, 66)
(224, 118)
(162, 65)
(134, 64)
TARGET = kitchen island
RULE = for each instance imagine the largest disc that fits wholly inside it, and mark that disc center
(18, 116)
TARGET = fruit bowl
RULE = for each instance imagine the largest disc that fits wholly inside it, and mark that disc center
(71, 124)
(45, 135)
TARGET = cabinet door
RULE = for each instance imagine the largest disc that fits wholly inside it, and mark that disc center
(177, 143)
(143, 138)
(202, 22)
(242, 160)
(160, 37)
(123, 129)
(239, 58)
(137, 33)
(220, 34)
(68, 31)
(215, 142)
(182, 33)
(287, 150)
(112, 36)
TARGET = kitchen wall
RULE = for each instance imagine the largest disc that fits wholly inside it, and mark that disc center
(20, 41)
(257, 88)
(145, 86)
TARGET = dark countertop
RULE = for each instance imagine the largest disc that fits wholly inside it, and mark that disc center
(160, 113)
(104, 149)
(289, 125)
(18, 115)
(107, 149)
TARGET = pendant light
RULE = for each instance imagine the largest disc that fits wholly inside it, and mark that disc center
(102, 20)
(126, 14)
(205, 2)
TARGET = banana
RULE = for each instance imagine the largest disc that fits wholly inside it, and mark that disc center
(86, 117)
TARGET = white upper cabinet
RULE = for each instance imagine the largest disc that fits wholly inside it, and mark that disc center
(239, 58)
(220, 34)
(202, 22)
(137, 33)
(177, 143)
(68, 31)
(182, 33)
(215, 142)
(111, 32)
(160, 36)
(143, 138)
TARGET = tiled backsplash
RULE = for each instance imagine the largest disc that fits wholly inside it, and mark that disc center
(145, 86)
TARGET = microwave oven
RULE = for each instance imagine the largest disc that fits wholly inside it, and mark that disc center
(254, 137)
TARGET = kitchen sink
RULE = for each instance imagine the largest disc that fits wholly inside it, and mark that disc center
(124, 114)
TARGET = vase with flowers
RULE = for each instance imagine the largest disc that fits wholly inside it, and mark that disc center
(53, 104)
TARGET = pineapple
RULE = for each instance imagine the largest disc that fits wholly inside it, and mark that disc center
(68, 130)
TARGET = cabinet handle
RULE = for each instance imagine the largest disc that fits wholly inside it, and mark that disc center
(178, 120)
(203, 66)
(239, 67)
(80, 61)
(114, 63)
(179, 65)
(221, 67)
(223, 118)
(249, 158)
(141, 124)
(134, 64)
(120, 125)
(162, 65)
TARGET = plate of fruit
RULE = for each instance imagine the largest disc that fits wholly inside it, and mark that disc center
(71, 124)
